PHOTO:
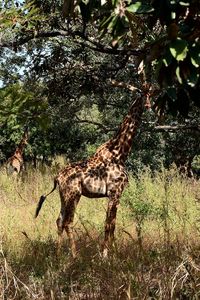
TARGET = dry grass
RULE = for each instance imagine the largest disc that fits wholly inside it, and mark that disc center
(156, 254)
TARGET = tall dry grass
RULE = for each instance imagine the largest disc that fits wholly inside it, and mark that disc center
(156, 254)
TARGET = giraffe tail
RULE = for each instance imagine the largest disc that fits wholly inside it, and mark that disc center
(43, 197)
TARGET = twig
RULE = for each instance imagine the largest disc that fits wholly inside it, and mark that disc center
(15, 279)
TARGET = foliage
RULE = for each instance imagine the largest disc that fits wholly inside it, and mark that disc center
(164, 37)
(66, 56)
(172, 51)
(19, 105)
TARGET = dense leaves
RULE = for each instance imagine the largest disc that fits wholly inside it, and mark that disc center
(65, 58)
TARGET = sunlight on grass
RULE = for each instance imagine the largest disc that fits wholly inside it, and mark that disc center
(157, 223)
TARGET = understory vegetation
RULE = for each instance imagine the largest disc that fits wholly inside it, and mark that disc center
(70, 72)
(156, 254)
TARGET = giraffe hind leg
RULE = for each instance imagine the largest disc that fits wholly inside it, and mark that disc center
(60, 229)
(65, 221)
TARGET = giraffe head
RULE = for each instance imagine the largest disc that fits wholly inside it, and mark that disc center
(25, 136)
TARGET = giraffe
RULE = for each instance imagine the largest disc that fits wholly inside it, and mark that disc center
(101, 175)
(15, 163)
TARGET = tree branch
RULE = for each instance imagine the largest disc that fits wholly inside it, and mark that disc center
(100, 125)
(104, 49)
(32, 35)
(93, 45)
(160, 128)
(177, 127)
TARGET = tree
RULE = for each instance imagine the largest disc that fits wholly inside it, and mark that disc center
(163, 35)
(75, 51)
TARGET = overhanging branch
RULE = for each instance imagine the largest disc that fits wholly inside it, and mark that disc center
(159, 128)
(177, 127)
(98, 47)
(87, 42)
(100, 125)
(31, 36)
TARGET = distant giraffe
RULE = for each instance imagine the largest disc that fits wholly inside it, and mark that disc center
(15, 163)
(102, 175)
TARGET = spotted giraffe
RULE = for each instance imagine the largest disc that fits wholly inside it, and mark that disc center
(102, 175)
(15, 163)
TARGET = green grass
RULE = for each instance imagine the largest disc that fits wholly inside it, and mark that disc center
(156, 254)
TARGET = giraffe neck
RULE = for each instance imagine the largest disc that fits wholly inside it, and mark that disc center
(118, 147)
(122, 142)
(20, 148)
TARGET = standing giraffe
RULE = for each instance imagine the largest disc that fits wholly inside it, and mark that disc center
(15, 163)
(102, 175)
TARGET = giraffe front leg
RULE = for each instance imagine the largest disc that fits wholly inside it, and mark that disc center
(110, 224)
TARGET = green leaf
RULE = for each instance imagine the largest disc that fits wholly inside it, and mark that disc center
(139, 8)
(184, 3)
(85, 1)
(193, 78)
(134, 7)
(115, 2)
(167, 59)
(113, 22)
(105, 22)
(178, 75)
(179, 49)
(195, 55)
